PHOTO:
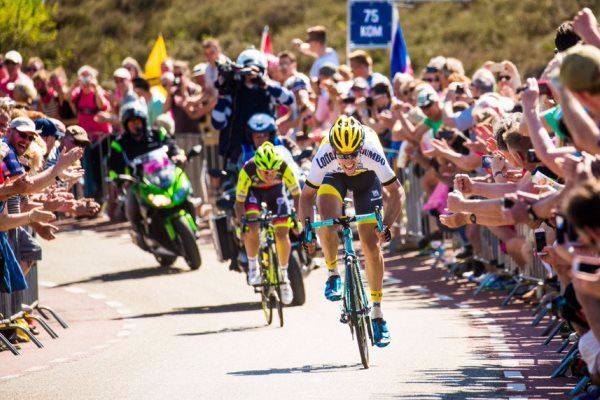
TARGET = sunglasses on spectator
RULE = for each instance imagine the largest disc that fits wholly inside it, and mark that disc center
(350, 156)
(431, 70)
(27, 137)
(436, 79)
(504, 78)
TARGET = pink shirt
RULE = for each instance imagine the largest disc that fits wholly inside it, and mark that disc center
(21, 77)
(85, 104)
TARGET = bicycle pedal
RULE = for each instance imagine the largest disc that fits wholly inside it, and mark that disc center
(344, 319)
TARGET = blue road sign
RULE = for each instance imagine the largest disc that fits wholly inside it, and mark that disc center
(370, 23)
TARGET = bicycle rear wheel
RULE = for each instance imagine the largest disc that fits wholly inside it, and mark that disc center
(279, 307)
(357, 318)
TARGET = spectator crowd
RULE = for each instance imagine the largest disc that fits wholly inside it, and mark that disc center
(493, 149)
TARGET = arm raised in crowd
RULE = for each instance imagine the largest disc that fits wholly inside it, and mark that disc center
(47, 177)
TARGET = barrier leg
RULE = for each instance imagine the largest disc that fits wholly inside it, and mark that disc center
(554, 332)
(512, 293)
(57, 317)
(566, 361)
(554, 321)
(27, 332)
(537, 309)
(563, 346)
(9, 345)
(540, 316)
(583, 382)
(44, 325)
(483, 283)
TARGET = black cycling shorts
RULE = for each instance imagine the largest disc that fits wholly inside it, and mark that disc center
(274, 197)
(365, 187)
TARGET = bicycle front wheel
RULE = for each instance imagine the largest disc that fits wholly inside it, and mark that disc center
(265, 302)
(357, 317)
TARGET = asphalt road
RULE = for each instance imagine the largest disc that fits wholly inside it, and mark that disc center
(201, 335)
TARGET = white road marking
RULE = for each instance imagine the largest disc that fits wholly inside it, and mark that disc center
(37, 368)
(516, 387)
(513, 374)
(7, 377)
(60, 360)
(97, 296)
(75, 289)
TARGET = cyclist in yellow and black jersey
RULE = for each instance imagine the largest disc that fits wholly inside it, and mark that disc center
(265, 178)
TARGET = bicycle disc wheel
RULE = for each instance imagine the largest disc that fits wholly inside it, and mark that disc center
(358, 319)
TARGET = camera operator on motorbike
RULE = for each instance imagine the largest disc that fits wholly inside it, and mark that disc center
(262, 179)
(352, 158)
(244, 90)
(137, 139)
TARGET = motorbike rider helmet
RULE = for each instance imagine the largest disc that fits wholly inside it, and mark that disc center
(346, 135)
(267, 158)
(262, 123)
(252, 58)
(131, 113)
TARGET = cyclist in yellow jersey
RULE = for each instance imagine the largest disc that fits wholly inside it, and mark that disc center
(352, 158)
(262, 179)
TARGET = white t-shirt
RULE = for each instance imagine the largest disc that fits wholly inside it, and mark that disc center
(330, 56)
(371, 158)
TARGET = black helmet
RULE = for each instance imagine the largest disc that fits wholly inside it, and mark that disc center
(134, 112)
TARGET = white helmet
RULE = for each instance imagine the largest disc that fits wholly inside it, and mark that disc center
(252, 57)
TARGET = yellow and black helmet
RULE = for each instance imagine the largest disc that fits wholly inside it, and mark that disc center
(346, 135)
(267, 158)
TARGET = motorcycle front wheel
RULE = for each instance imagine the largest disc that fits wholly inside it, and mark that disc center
(187, 240)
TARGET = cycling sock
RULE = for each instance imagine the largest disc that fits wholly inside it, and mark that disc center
(332, 267)
(376, 296)
(284, 272)
(253, 263)
(376, 311)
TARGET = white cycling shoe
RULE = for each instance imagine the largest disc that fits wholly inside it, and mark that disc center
(286, 293)
(254, 277)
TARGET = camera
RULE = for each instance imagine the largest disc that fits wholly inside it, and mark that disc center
(369, 101)
(230, 76)
(445, 134)
(460, 89)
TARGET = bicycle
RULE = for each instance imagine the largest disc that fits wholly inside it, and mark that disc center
(355, 303)
(269, 288)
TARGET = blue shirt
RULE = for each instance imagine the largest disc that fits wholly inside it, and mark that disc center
(11, 162)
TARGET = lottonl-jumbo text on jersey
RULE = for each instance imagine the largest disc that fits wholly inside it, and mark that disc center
(371, 158)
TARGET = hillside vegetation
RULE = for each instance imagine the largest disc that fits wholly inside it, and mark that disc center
(103, 32)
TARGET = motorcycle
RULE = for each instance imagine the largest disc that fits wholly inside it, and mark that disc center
(163, 192)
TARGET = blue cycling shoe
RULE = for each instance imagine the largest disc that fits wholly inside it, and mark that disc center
(333, 288)
(381, 334)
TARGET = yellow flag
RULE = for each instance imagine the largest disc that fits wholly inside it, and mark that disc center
(157, 55)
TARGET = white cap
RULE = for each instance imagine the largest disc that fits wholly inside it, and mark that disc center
(23, 124)
(14, 56)
(122, 73)
(426, 95)
(199, 69)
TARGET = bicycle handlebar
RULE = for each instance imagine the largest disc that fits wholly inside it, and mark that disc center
(343, 221)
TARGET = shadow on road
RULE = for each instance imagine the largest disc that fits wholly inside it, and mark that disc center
(216, 309)
(137, 273)
(224, 330)
(298, 370)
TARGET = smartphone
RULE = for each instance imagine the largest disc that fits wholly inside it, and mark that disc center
(561, 229)
(508, 203)
(460, 90)
(486, 162)
(540, 240)
(532, 157)
(586, 264)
